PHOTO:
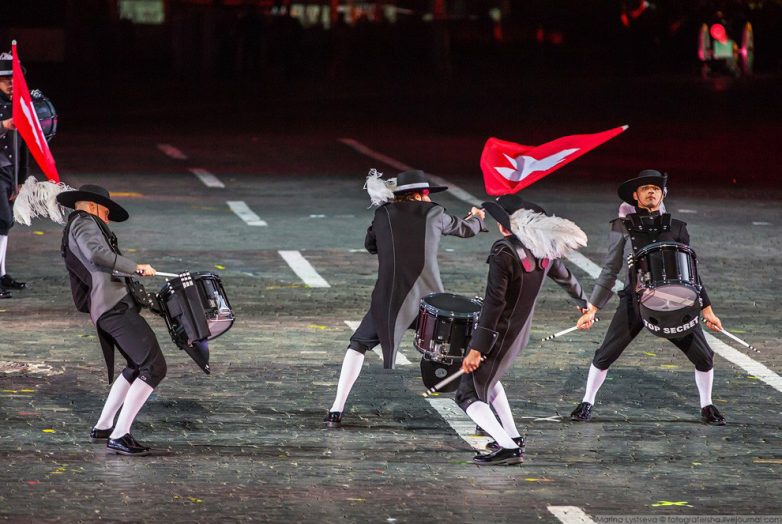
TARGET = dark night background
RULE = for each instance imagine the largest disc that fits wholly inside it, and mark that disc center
(526, 71)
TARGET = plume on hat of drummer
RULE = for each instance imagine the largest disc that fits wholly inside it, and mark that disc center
(546, 236)
(39, 200)
(380, 191)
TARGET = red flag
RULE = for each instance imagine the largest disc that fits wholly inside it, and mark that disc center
(508, 167)
(26, 122)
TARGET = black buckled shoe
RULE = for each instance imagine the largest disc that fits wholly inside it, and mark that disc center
(4, 293)
(100, 435)
(126, 445)
(8, 282)
(711, 415)
(520, 442)
(501, 457)
(582, 413)
(333, 419)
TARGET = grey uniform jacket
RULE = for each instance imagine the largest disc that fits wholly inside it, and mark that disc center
(89, 245)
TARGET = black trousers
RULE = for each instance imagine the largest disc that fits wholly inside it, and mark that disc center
(626, 325)
(136, 342)
(6, 206)
(365, 337)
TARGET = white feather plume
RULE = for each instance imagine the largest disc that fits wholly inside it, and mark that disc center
(546, 236)
(39, 200)
(380, 191)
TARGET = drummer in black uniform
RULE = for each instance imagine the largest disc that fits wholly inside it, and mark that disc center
(530, 250)
(629, 235)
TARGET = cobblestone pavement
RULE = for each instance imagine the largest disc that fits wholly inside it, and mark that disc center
(247, 443)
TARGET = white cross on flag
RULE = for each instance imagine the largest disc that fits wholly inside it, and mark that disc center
(509, 167)
(26, 122)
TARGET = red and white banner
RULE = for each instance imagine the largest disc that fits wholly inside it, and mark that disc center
(509, 167)
(26, 122)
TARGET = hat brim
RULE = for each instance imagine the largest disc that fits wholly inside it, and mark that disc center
(431, 189)
(629, 187)
(497, 213)
(116, 212)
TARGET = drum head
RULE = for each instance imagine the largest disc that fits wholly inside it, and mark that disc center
(433, 372)
(671, 297)
(450, 305)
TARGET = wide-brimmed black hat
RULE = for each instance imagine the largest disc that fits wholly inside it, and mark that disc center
(645, 177)
(97, 194)
(504, 206)
(415, 180)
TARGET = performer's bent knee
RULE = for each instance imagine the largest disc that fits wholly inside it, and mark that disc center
(603, 362)
(154, 371)
(466, 395)
(358, 347)
(130, 374)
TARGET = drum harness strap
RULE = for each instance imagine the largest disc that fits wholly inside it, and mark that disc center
(136, 289)
(634, 224)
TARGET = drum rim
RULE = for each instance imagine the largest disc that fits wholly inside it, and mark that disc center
(449, 313)
(666, 243)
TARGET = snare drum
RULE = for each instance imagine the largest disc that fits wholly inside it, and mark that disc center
(195, 307)
(668, 288)
(445, 325)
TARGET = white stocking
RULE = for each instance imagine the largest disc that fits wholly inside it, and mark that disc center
(3, 249)
(502, 408)
(137, 395)
(481, 414)
(594, 381)
(114, 401)
(704, 381)
(351, 368)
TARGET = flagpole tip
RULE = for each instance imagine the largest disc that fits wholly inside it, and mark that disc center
(625, 127)
(13, 42)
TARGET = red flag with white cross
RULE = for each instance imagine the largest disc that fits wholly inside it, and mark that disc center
(26, 122)
(509, 167)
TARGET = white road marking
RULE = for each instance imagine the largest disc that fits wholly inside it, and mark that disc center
(570, 515)
(172, 151)
(303, 269)
(687, 211)
(454, 190)
(459, 421)
(245, 213)
(206, 177)
(401, 359)
(761, 223)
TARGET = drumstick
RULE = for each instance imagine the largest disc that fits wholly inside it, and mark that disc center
(444, 382)
(563, 332)
(167, 275)
(737, 339)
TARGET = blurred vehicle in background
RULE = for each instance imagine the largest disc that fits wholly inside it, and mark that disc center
(726, 45)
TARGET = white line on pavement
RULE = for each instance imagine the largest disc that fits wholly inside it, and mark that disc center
(761, 223)
(245, 213)
(172, 151)
(206, 177)
(401, 359)
(728, 353)
(303, 269)
(459, 421)
(570, 514)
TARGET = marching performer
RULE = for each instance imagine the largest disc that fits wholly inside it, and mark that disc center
(9, 180)
(628, 235)
(530, 250)
(92, 256)
(405, 235)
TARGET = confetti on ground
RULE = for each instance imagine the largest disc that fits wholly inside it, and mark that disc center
(650, 354)
(39, 233)
(665, 503)
(49, 430)
(195, 500)
(535, 479)
(669, 366)
(33, 482)
(219, 266)
(767, 461)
